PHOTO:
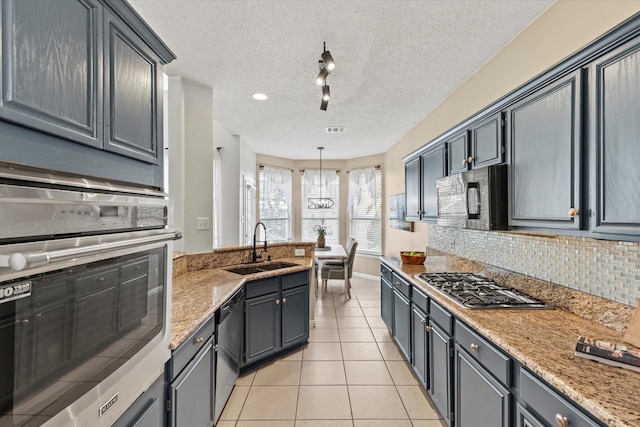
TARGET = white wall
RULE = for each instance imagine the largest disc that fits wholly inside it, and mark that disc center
(174, 140)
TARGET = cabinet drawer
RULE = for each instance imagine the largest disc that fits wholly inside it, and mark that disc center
(441, 316)
(547, 403)
(135, 268)
(386, 272)
(96, 281)
(181, 356)
(258, 288)
(420, 299)
(489, 356)
(295, 279)
(402, 285)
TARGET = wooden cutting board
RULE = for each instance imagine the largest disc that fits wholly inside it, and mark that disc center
(632, 335)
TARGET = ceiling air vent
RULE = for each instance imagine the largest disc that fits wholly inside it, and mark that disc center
(334, 129)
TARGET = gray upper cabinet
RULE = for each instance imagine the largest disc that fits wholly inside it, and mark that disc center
(51, 67)
(479, 146)
(133, 76)
(81, 89)
(458, 153)
(487, 142)
(412, 188)
(420, 174)
(434, 166)
(545, 156)
(615, 126)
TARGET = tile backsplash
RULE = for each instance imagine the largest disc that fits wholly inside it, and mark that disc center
(609, 269)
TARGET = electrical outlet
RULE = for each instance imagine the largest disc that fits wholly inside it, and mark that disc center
(298, 252)
(202, 223)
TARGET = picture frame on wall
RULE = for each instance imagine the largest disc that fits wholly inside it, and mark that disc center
(398, 214)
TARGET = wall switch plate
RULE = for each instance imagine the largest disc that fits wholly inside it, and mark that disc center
(298, 252)
(202, 223)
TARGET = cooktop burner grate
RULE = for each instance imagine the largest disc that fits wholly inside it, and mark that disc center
(474, 291)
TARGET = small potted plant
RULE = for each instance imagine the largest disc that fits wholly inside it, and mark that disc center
(321, 231)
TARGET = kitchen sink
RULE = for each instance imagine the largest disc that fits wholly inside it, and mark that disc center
(252, 269)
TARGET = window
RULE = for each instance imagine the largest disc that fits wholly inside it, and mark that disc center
(248, 220)
(275, 202)
(365, 209)
(315, 186)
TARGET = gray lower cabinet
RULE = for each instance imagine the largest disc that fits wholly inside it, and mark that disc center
(440, 383)
(192, 380)
(148, 410)
(276, 316)
(548, 405)
(545, 154)
(480, 401)
(386, 296)
(192, 392)
(419, 344)
(295, 316)
(262, 327)
(615, 97)
(402, 315)
(386, 303)
(524, 418)
(402, 323)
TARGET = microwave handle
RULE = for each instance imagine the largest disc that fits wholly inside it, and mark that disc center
(22, 261)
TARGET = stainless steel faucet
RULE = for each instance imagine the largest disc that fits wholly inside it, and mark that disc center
(254, 254)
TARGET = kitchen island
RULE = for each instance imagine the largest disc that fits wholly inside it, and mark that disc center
(543, 341)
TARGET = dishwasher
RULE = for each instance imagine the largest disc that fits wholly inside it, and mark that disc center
(229, 334)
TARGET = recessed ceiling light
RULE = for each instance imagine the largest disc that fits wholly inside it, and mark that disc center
(259, 96)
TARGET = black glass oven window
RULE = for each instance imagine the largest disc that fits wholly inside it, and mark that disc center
(76, 328)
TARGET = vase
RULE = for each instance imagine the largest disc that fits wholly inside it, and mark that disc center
(321, 241)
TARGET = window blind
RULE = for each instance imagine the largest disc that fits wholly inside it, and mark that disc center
(315, 186)
(365, 209)
(275, 202)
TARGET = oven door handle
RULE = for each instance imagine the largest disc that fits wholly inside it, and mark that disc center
(23, 261)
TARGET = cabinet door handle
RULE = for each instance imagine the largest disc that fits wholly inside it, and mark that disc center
(284, 300)
(277, 301)
(200, 341)
(428, 329)
(474, 347)
(561, 420)
(464, 162)
(573, 212)
(423, 321)
(470, 159)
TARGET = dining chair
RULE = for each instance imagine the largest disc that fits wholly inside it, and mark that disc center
(340, 269)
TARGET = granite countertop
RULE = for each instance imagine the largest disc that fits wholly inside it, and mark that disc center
(198, 294)
(544, 341)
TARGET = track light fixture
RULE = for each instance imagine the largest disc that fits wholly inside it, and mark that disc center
(325, 93)
(328, 60)
(322, 75)
(327, 65)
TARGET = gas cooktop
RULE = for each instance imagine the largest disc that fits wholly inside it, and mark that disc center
(478, 292)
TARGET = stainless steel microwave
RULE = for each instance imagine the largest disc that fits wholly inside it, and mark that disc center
(475, 199)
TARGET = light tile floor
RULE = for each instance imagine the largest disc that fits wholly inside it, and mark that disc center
(351, 374)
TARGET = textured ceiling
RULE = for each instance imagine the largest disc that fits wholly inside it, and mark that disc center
(395, 62)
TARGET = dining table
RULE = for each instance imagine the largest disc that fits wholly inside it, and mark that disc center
(333, 252)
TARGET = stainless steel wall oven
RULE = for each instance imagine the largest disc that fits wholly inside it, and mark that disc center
(85, 292)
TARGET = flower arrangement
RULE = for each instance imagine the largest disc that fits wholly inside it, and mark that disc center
(320, 229)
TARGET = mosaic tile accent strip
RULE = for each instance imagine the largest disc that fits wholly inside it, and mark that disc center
(609, 269)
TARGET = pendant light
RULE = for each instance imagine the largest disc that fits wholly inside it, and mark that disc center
(327, 65)
(320, 202)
